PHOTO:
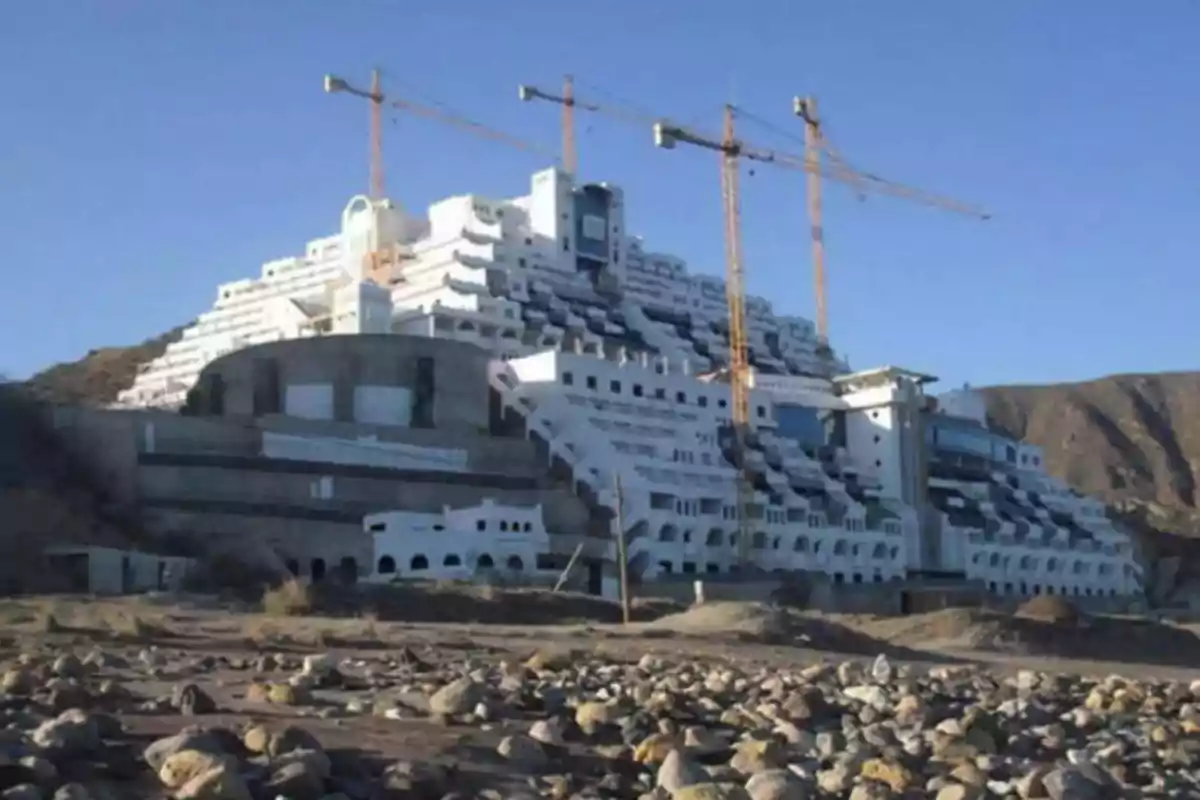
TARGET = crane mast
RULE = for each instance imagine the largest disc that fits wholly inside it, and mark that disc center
(731, 151)
(811, 163)
(570, 155)
(376, 98)
(378, 263)
(806, 108)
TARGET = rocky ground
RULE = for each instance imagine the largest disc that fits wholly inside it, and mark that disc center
(178, 701)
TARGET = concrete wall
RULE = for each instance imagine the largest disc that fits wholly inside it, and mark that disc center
(110, 571)
(344, 362)
(300, 510)
(111, 440)
(814, 591)
(715, 589)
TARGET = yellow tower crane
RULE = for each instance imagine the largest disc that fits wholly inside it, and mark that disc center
(815, 143)
(732, 150)
(379, 263)
(571, 101)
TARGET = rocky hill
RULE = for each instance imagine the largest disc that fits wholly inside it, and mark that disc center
(96, 378)
(1127, 437)
(1133, 440)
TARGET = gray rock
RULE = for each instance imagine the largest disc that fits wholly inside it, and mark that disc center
(457, 697)
(678, 771)
(1069, 783)
(71, 733)
(190, 699)
(523, 751)
(776, 784)
(22, 791)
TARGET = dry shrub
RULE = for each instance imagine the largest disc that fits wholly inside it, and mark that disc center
(260, 634)
(292, 598)
(133, 626)
(47, 622)
(1049, 608)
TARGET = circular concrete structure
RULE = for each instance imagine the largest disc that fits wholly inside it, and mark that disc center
(384, 379)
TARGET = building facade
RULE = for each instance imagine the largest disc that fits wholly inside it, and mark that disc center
(608, 357)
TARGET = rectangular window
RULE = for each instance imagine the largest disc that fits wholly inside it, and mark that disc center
(568, 379)
(593, 227)
(614, 387)
(637, 390)
(591, 381)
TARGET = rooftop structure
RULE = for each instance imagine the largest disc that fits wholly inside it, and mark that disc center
(609, 359)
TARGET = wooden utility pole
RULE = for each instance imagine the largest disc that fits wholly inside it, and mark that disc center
(622, 555)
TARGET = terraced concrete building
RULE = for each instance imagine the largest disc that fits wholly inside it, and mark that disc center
(607, 358)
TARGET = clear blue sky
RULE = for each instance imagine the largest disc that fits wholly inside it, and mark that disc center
(150, 150)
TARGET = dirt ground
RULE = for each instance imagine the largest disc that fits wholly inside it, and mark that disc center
(229, 635)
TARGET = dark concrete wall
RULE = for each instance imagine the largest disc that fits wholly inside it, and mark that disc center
(459, 373)
(195, 500)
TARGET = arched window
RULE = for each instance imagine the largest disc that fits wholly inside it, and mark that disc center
(418, 563)
(316, 569)
(515, 563)
(386, 566)
(451, 560)
(485, 562)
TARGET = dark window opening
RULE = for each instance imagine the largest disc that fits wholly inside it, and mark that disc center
(418, 563)
(423, 394)
(386, 566)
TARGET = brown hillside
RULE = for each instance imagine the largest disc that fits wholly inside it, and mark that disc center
(1133, 440)
(1125, 438)
(95, 379)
